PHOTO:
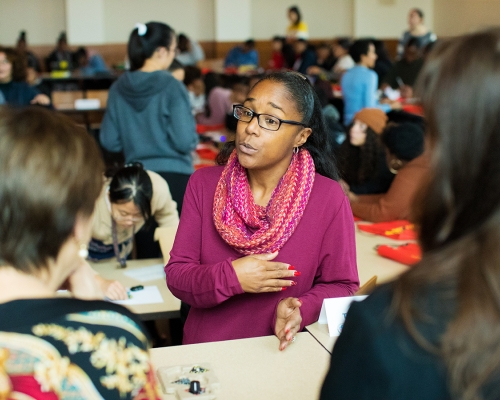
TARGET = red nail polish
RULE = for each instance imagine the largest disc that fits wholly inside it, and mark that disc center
(291, 268)
(283, 288)
(300, 301)
(296, 273)
(293, 283)
(286, 331)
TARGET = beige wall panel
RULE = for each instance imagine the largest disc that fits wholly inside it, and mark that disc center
(326, 18)
(454, 17)
(193, 17)
(388, 18)
(43, 20)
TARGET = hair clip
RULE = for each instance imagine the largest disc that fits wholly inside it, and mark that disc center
(141, 29)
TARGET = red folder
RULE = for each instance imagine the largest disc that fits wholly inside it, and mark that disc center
(408, 254)
(207, 128)
(399, 230)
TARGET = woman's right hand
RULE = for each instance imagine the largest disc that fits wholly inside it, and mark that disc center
(258, 274)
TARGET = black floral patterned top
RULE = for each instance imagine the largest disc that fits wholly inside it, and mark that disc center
(73, 349)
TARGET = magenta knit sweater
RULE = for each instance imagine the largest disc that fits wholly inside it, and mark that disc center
(200, 273)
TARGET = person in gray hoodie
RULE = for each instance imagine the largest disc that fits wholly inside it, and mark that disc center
(148, 115)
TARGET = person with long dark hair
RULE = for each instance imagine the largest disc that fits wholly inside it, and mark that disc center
(271, 217)
(404, 147)
(362, 155)
(148, 114)
(434, 333)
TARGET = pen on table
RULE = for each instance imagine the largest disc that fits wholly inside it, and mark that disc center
(134, 289)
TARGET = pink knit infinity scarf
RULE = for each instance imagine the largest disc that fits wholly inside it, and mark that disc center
(253, 229)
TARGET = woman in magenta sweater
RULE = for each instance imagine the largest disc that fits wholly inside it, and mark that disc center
(271, 218)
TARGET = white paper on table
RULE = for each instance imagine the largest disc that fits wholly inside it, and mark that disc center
(392, 94)
(333, 312)
(145, 274)
(148, 295)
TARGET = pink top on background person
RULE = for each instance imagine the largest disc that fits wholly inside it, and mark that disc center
(200, 273)
(220, 103)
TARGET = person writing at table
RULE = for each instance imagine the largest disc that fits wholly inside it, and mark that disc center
(58, 347)
(129, 199)
(268, 234)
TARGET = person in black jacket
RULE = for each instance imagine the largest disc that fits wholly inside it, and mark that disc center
(434, 333)
(305, 56)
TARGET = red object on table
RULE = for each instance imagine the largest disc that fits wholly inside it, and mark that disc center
(413, 109)
(207, 154)
(399, 230)
(208, 128)
(408, 254)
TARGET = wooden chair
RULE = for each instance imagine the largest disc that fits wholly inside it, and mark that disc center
(368, 287)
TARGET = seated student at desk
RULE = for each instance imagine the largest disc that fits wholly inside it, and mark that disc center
(57, 347)
(243, 55)
(189, 52)
(126, 202)
(404, 145)
(404, 73)
(270, 218)
(434, 333)
(15, 90)
(360, 83)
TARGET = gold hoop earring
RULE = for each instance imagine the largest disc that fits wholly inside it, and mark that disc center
(395, 165)
(83, 252)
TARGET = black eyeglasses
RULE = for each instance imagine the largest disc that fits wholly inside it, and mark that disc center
(266, 121)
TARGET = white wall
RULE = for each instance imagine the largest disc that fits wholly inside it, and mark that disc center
(43, 20)
(388, 18)
(193, 17)
(85, 21)
(454, 17)
(325, 18)
(111, 21)
(233, 20)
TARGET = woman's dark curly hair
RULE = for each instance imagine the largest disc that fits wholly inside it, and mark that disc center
(19, 63)
(369, 155)
(308, 105)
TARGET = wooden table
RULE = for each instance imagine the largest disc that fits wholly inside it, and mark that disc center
(255, 368)
(168, 309)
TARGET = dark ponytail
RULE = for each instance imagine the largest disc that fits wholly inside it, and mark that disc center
(142, 47)
(132, 183)
(319, 143)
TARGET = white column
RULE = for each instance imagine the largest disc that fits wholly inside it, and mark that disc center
(233, 20)
(85, 21)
